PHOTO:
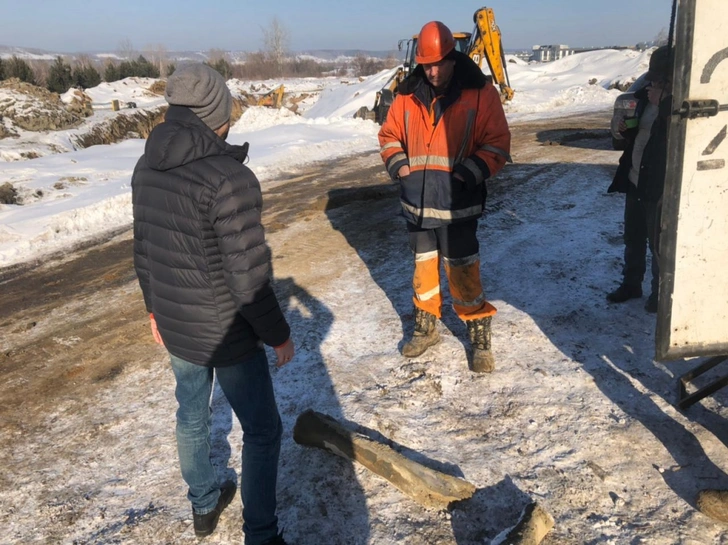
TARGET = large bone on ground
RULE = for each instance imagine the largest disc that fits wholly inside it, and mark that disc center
(426, 486)
(531, 528)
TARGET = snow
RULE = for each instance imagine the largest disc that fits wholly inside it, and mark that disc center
(34, 144)
(345, 100)
(562, 87)
(280, 141)
(577, 416)
(10, 52)
(125, 91)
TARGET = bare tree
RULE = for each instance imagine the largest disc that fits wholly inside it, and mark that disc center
(82, 60)
(157, 55)
(41, 69)
(126, 49)
(276, 40)
(214, 55)
(391, 61)
(661, 38)
(219, 60)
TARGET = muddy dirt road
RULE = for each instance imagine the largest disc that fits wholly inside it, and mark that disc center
(85, 343)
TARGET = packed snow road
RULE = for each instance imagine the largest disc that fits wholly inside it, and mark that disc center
(576, 416)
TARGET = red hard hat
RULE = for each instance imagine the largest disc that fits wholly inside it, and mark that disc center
(434, 42)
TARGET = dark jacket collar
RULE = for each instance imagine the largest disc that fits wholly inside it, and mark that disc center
(466, 75)
(183, 138)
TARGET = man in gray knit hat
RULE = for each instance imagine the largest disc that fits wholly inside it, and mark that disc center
(205, 273)
(204, 91)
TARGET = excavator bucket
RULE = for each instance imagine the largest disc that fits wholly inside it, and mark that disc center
(272, 99)
(365, 113)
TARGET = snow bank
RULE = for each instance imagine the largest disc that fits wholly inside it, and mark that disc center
(345, 100)
(574, 84)
(59, 213)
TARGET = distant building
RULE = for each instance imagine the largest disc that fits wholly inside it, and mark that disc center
(548, 53)
(524, 55)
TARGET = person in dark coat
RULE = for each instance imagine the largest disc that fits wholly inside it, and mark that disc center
(205, 272)
(641, 175)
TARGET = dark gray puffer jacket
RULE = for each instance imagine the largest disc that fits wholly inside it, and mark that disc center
(199, 246)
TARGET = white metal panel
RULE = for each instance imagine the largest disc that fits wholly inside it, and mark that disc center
(693, 314)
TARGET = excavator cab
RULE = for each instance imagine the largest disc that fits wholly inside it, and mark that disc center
(273, 98)
(481, 45)
(385, 96)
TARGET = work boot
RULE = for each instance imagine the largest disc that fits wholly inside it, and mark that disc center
(624, 293)
(206, 524)
(479, 333)
(425, 335)
(651, 304)
(714, 503)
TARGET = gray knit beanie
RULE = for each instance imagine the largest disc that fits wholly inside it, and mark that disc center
(204, 91)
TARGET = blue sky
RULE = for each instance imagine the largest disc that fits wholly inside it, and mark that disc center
(77, 25)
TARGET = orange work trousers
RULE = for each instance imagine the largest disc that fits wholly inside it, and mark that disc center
(457, 245)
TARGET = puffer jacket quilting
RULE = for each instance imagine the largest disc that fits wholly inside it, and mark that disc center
(199, 246)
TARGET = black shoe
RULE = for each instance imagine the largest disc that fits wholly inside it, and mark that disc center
(278, 540)
(624, 293)
(651, 304)
(206, 524)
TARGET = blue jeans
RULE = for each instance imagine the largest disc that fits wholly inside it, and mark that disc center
(249, 390)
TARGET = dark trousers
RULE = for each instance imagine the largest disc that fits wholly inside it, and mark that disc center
(452, 241)
(641, 228)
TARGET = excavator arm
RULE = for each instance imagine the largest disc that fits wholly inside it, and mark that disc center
(486, 44)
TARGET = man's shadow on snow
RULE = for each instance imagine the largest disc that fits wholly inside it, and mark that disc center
(377, 231)
(332, 492)
(561, 287)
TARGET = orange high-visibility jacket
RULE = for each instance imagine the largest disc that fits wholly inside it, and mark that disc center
(463, 132)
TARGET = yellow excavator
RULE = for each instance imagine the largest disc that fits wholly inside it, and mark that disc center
(273, 98)
(482, 45)
(487, 44)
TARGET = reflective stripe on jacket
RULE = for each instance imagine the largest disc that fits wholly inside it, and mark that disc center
(463, 132)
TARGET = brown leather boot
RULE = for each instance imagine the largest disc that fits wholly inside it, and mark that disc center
(425, 335)
(479, 333)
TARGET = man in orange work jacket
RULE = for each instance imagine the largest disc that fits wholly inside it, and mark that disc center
(444, 136)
